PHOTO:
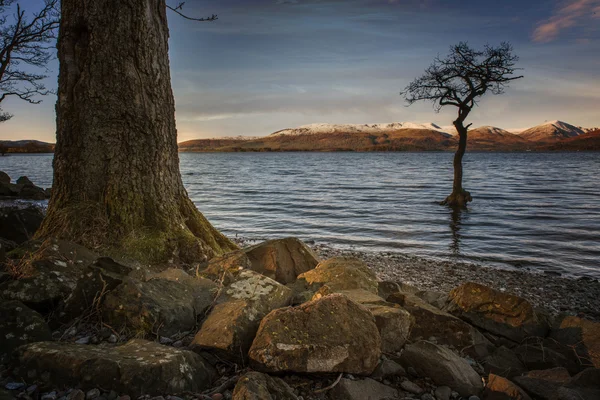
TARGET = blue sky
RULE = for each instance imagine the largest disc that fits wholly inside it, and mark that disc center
(267, 65)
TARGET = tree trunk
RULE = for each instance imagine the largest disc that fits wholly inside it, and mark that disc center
(459, 196)
(117, 184)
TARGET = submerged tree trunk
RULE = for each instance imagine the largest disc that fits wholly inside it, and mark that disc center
(117, 184)
(459, 196)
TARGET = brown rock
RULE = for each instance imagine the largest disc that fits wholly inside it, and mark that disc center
(332, 334)
(359, 296)
(558, 375)
(365, 389)
(499, 388)
(394, 325)
(500, 313)
(341, 273)
(18, 326)
(224, 268)
(581, 335)
(442, 366)
(137, 368)
(503, 362)
(257, 386)
(232, 324)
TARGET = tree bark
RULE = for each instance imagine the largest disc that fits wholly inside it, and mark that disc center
(117, 184)
(459, 197)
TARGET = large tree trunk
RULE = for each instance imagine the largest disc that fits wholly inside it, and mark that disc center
(459, 197)
(117, 184)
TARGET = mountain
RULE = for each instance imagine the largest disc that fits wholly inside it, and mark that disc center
(486, 138)
(27, 146)
(550, 131)
(589, 141)
(314, 129)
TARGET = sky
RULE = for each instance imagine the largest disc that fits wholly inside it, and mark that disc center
(267, 65)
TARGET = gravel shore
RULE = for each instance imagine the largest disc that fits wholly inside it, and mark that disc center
(556, 294)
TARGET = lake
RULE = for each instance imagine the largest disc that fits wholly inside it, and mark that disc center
(539, 211)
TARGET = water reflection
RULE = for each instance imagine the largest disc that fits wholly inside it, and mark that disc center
(456, 217)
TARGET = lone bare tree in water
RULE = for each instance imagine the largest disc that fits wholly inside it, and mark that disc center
(460, 80)
(117, 185)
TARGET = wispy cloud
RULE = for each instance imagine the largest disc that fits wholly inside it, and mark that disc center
(571, 13)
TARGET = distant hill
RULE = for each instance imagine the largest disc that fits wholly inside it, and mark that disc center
(551, 131)
(589, 141)
(490, 138)
(26, 146)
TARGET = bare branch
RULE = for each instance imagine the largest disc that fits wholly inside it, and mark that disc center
(178, 10)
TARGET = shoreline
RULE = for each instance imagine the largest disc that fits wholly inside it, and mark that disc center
(555, 294)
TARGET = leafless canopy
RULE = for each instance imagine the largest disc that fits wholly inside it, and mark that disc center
(25, 42)
(464, 76)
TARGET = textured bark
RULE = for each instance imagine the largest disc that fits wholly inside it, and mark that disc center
(116, 166)
(459, 197)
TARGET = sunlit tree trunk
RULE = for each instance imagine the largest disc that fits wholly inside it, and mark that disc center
(459, 197)
(117, 184)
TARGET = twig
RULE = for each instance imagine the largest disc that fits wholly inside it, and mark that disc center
(339, 378)
(180, 7)
(229, 383)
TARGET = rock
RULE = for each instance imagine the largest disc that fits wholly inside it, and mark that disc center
(232, 324)
(436, 299)
(366, 389)
(503, 362)
(4, 178)
(340, 273)
(23, 180)
(14, 385)
(137, 368)
(388, 368)
(332, 334)
(19, 224)
(446, 329)
(386, 288)
(161, 306)
(359, 296)
(411, 387)
(257, 386)
(427, 396)
(581, 335)
(394, 325)
(497, 312)
(537, 356)
(19, 325)
(499, 388)
(32, 192)
(226, 267)
(443, 393)
(76, 395)
(94, 283)
(52, 270)
(281, 259)
(92, 394)
(585, 385)
(442, 366)
(558, 375)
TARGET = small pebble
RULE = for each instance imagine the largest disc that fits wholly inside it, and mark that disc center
(92, 394)
(125, 397)
(427, 396)
(83, 340)
(217, 396)
(411, 387)
(178, 344)
(32, 389)
(112, 395)
(443, 393)
(49, 396)
(473, 398)
(94, 340)
(165, 340)
(14, 385)
(76, 395)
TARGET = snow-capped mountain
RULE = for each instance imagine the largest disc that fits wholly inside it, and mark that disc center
(552, 130)
(362, 128)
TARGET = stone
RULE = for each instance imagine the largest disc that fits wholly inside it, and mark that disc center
(231, 326)
(225, 268)
(4, 178)
(23, 180)
(437, 299)
(138, 367)
(499, 388)
(19, 325)
(394, 325)
(581, 335)
(19, 224)
(76, 394)
(10, 189)
(559, 375)
(446, 329)
(282, 259)
(161, 306)
(411, 387)
(584, 385)
(443, 393)
(103, 276)
(332, 334)
(359, 296)
(92, 394)
(32, 192)
(14, 385)
(499, 313)
(386, 288)
(388, 368)
(442, 366)
(503, 362)
(340, 273)
(257, 386)
(365, 389)
(537, 356)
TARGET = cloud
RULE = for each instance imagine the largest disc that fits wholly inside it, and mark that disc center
(570, 14)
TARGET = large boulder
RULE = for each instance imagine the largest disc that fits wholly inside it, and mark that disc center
(538, 356)
(499, 313)
(394, 325)
(443, 367)
(257, 386)
(436, 325)
(360, 296)
(19, 224)
(225, 268)
(160, 306)
(282, 259)
(232, 324)
(365, 389)
(499, 388)
(332, 334)
(581, 335)
(340, 273)
(50, 271)
(19, 325)
(136, 368)
(4, 177)
(503, 362)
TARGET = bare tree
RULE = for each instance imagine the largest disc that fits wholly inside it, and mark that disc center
(460, 80)
(25, 42)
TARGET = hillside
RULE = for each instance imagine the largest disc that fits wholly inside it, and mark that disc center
(589, 141)
(26, 146)
(551, 131)
(489, 138)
